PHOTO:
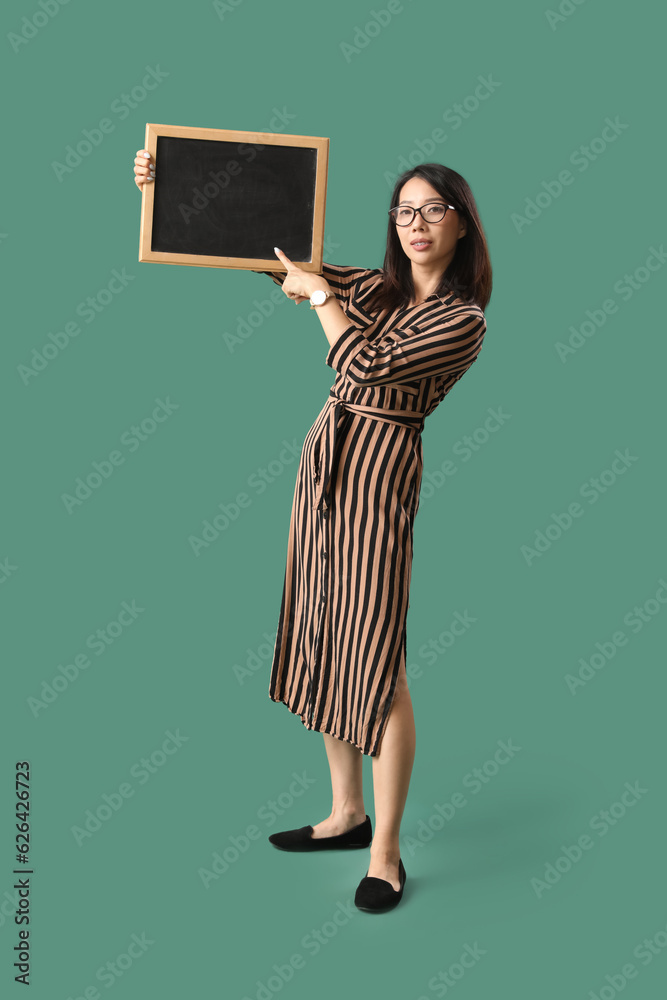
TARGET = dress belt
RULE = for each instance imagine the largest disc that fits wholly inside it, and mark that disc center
(327, 453)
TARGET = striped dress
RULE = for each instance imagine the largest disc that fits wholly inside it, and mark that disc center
(341, 638)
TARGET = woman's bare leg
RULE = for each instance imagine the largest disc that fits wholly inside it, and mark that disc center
(345, 764)
(392, 768)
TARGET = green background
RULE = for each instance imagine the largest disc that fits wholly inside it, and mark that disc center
(471, 883)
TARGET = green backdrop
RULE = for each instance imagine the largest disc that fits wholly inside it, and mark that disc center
(135, 679)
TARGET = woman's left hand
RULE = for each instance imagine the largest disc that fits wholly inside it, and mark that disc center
(298, 284)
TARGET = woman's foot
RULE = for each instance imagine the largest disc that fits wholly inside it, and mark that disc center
(333, 826)
(385, 865)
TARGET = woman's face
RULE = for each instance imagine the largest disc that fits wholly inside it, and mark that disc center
(441, 237)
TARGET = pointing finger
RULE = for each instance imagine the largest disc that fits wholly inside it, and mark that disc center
(284, 258)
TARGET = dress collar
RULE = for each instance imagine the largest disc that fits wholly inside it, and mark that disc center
(444, 299)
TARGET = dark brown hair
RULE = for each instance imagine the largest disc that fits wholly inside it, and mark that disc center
(469, 274)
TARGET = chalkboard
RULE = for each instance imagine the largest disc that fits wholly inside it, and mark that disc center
(224, 198)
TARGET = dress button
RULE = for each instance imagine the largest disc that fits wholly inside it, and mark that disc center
(324, 555)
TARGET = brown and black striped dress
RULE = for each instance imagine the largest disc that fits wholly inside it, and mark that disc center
(341, 639)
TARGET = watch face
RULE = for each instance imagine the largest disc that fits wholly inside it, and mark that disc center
(318, 297)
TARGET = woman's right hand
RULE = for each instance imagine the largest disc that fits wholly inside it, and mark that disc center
(144, 167)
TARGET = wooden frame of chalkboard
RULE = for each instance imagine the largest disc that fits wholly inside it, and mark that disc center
(224, 198)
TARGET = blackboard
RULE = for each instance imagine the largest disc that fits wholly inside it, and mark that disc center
(224, 198)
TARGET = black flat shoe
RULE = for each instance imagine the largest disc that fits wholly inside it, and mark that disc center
(302, 839)
(376, 895)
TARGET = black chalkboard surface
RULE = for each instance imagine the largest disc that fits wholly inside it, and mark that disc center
(224, 198)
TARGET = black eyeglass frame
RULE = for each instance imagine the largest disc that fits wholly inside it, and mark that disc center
(415, 210)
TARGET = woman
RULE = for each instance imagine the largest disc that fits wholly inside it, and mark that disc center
(399, 338)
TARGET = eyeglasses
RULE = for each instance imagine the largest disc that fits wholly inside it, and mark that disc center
(433, 212)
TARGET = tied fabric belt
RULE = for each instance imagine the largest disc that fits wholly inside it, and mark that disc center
(327, 455)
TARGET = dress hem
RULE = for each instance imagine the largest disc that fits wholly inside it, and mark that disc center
(373, 752)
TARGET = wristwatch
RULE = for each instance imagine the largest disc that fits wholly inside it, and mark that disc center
(319, 297)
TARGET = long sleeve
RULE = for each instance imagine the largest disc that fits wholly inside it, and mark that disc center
(341, 278)
(443, 341)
